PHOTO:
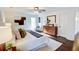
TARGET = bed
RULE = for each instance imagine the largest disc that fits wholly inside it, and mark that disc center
(32, 43)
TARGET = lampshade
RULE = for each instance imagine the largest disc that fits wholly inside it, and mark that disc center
(5, 34)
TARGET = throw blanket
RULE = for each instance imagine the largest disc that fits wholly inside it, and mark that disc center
(35, 34)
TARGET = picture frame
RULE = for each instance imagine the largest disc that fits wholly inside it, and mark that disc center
(51, 19)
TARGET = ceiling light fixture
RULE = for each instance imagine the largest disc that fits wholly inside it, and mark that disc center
(36, 8)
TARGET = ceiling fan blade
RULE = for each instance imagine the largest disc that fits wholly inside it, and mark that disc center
(42, 11)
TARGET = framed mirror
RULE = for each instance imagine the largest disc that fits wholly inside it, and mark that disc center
(51, 20)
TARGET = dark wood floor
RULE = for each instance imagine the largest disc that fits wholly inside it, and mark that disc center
(67, 44)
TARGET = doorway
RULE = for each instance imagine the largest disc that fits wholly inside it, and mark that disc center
(33, 23)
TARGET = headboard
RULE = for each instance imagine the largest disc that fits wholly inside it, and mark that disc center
(21, 21)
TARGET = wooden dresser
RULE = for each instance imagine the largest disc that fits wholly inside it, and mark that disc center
(51, 30)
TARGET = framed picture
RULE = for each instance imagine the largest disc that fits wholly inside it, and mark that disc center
(51, 19)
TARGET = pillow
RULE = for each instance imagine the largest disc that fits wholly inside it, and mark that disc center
(22, 33)
(16, 32)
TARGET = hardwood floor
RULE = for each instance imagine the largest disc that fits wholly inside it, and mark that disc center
(67, 44)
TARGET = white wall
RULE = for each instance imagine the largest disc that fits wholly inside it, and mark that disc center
(67, 25)
(65, 21)
(77, 22)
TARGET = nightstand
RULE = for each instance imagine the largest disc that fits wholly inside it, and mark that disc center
(12, 49)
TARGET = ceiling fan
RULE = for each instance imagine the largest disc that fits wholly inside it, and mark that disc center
(39, 10)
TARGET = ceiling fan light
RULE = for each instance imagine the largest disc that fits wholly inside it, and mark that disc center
(36, 8)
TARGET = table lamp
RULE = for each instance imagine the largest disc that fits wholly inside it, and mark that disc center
(5, 36)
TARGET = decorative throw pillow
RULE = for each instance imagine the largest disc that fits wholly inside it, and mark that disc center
(22, 33)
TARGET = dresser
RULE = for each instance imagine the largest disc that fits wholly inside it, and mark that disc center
(51, 30)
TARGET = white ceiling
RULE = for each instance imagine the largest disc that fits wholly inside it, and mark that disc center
(31, 9)
(47, 8)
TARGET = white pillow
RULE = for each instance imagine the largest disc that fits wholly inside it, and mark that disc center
(16, 32)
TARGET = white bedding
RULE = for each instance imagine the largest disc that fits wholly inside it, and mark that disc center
(22, 44)
(30, 42)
